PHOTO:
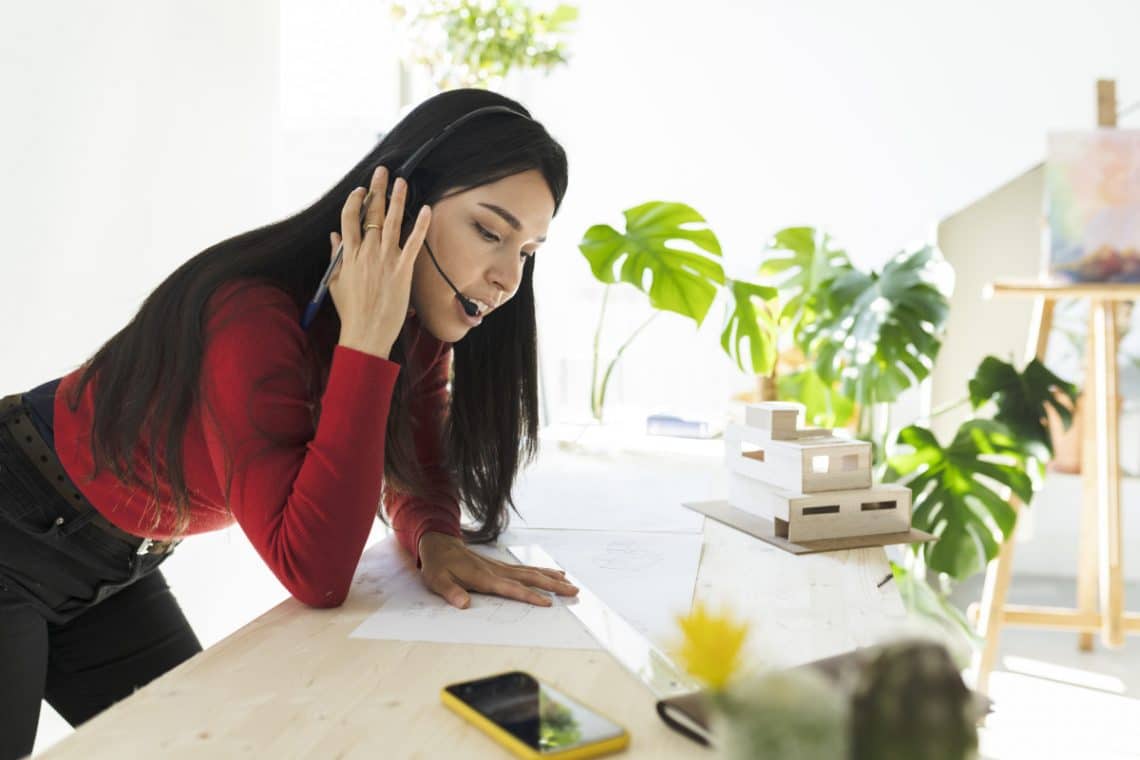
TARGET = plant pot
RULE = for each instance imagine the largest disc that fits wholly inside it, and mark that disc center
(1067, 444)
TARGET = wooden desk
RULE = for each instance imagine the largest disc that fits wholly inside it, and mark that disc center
(293, 684)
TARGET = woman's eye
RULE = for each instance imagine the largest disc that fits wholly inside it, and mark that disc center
(486, 234)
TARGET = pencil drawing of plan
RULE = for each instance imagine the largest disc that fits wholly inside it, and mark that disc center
(410, 612)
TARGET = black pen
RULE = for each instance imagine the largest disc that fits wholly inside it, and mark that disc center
(323, 289)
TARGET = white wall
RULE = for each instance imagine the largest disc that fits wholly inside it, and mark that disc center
(873, 120)
(135, 135)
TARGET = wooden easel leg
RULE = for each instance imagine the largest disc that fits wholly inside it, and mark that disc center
(994, 592)
(1108, 471)
(1039, 328)
(1000, 570)
(1090, 489)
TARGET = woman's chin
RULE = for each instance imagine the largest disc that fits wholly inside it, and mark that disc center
(448, 333)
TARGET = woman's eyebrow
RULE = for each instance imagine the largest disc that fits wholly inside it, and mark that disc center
(509, 218)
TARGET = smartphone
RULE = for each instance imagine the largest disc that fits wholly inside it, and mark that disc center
(533, 720)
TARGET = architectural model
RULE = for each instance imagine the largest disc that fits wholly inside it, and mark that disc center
(811, 483)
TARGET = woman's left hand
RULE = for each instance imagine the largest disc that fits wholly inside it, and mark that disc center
(449, 568)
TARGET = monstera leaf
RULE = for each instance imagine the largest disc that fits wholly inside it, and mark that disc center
(800, 260)
(1021, 400)
(825, 405)
(682, 281)
(879, 333)
(746, 322)
(956, 492)
(920, 598)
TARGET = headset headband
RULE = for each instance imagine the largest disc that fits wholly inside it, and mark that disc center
(413, 161)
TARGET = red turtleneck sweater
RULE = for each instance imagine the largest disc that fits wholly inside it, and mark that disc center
(307, 506)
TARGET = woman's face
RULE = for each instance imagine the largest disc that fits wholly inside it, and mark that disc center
(479, 237)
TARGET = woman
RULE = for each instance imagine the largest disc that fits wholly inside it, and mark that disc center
(216, 405)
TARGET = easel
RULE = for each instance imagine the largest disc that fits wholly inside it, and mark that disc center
(1100, 558)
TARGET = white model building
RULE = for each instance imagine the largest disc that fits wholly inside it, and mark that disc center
(810, 483)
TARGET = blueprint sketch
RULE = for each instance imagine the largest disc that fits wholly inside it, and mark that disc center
(646, 577)
(410, 612)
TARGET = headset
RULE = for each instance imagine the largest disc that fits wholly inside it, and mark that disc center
(405, 170)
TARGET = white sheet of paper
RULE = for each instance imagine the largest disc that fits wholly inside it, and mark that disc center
(616, 492)
(410, 612)
(646, 577)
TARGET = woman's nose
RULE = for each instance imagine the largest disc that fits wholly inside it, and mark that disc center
(508, 278)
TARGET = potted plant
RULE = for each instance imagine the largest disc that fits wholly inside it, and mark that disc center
(473, 43)
(668, 252)
(864, 337)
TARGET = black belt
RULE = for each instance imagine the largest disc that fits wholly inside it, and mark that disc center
(38, 452)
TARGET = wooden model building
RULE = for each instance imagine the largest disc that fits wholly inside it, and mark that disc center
(810, 483)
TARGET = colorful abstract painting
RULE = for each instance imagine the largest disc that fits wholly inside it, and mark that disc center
(1092, 200)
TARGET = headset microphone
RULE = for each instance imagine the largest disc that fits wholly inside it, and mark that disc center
(469, 307)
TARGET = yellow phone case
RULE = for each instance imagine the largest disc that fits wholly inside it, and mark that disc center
(521, 750)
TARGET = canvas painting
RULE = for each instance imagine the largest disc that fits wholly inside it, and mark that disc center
(1092, 188)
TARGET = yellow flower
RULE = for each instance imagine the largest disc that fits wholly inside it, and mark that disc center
(711, 645)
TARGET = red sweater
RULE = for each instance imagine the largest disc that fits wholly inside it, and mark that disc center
(307, 507)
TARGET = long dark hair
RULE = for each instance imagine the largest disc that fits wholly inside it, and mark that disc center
(148, 373)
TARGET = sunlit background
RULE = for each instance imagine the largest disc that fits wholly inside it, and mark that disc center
(138, 133)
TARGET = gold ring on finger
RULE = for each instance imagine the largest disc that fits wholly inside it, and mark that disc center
(371, 226)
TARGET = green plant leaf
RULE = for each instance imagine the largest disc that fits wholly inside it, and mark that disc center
(484, 40)
(826, 406)
(922, 599)
(682, 281)
(955, 491)
(563, 14)
(1021, 400)
(880, 332)
(746, 322)
(800, 260)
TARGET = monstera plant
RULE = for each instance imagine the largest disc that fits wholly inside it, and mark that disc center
(668, 252)
(961, 489)
(863, 337)
(857, 340)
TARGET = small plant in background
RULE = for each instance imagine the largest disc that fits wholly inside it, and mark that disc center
(476, 43)
(668, 252)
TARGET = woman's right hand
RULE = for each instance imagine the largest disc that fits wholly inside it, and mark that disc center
(372, 284)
